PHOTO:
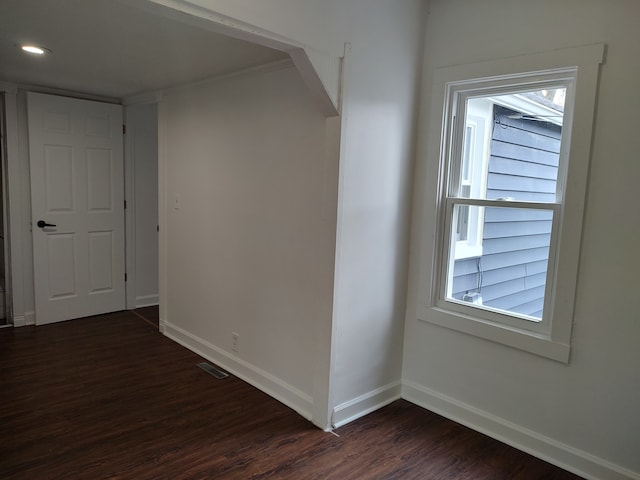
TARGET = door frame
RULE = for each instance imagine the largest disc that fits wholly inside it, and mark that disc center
(130, 197)
(13, 226)
(4, 154)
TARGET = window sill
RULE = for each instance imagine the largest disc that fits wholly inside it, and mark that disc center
(520, 339)
(462, 253)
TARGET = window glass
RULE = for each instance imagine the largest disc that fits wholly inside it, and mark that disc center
(520, 156)
(509, 153)
(510, 276)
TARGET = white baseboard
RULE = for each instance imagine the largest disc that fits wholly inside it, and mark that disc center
(147, 301)
(273, 386)
(360, 406)
(19, 321)
(545, 448)
(29, 318)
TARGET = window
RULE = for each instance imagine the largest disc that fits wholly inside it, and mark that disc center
(506, 217)
(515, 166)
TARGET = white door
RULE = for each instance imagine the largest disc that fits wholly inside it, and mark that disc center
(77, 206)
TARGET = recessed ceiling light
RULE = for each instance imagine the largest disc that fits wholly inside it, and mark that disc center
(34, 49)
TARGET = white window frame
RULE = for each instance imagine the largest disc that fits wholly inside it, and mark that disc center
(480, 123)
(550, 337)
(458, 94)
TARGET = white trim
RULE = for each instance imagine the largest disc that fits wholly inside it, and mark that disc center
(156, 96)
(14, 264)
(6, 296)
(528, 341)
(147, 301)
(557, 453)
(553, 59)
(208, 82)
(491, 78)
(8, 87)
(19, 321)
(322, 74)
(271, 385)
(130, 211)
(162, 215)
(299, 59)
(13, 88)
(190, 13)
(144, 98)
(364, 404)
(30, 318)
(479, 120)
(338, 134)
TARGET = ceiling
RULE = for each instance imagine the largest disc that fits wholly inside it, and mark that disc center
(113, 49)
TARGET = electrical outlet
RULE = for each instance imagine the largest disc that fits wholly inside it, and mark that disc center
(235, 342)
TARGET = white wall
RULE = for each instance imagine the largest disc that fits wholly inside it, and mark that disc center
(583, 415)
(380, 88)
(247, 228)
(359, 365)
(141, 187)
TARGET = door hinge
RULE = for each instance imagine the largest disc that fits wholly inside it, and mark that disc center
(124, 129)
(125, 277)
(125, 204)
(157, 228)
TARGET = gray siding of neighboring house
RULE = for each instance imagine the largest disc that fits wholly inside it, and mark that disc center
(523, 165)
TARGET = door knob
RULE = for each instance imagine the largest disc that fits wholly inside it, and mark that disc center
(43, 224)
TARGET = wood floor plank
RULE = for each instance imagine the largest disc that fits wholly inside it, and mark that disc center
(108, 397)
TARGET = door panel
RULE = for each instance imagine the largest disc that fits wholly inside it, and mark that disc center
(58, 165)
(61, 252)
(100, 262)
(99, 180)
(77, 186)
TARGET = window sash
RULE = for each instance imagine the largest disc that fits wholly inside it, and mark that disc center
(459, 93)
(486, 313)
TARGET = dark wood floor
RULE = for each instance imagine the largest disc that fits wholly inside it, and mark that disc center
(149, 315)
(109, 397)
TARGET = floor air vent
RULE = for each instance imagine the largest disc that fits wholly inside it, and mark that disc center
(215, 371)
